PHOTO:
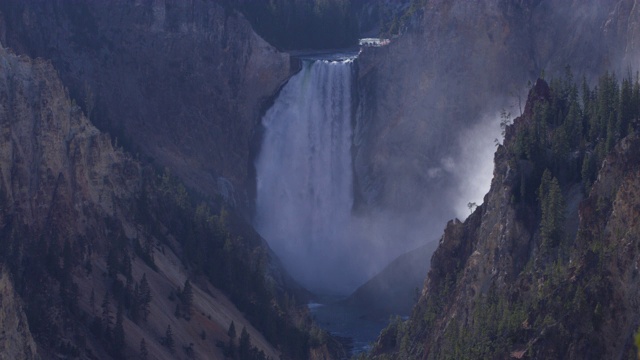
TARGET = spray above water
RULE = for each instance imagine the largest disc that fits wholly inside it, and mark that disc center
(305, 185)
(304, 175)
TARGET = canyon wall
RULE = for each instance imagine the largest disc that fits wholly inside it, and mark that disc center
(84, 227)
(182, 83)
(430, 101)
(434, 91)
(17, 341)
(521, 278)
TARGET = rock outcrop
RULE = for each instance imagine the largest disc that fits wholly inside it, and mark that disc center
(16, 341)
(181, 82)
(500, 286)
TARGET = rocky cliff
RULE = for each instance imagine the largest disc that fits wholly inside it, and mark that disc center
(101, 250)
(440, 86)
(16, 341)
(414, 95)
(183, 83)
(546, 267)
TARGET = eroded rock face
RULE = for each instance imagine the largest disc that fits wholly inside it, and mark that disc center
(418, 93)
(71, 201)
(455, 70)
(16, 341)
(180, 82)
(60, 181)
(493, 273)
(54, 165)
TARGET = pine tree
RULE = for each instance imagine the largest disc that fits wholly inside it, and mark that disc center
(144, 353)
(244, 346)
(126, 267)
(625, 108)
(635, 98)
(145, 297)
(187, 299)
(552, 209)
(112, 263)
(134, 311)
(573, 124)
(168, 339)
(232, 330)
(92, 301)
(231, 347)
(106, 315)
(118, 334)
(586, 103)
(67, 258)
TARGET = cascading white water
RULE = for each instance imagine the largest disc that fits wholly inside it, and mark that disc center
(304, 175)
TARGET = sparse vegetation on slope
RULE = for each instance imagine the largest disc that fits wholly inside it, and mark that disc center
(96, 243)
(545, 267)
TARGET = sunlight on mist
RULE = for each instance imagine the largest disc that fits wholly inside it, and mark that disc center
(475, 167)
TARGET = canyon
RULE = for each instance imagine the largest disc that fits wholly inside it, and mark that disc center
(122, 118)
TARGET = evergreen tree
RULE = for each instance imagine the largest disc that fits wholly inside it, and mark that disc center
(144, 297)
(92, 301)
(112, 263)
(573, 124)
(635, 98)
(588, 171)
(52, 259)
(118, 334)
(586, 100)
(232, 330)
(552, 209)
(134, 311)
(625, 108)
(187, 299)
(169, 342)
(144, 353)
(67, 258)
(231, 347)
(126, 267)
(244, 346)
(107, 321)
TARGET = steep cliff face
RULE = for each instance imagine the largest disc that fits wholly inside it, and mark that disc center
(16, 341)
(100, 248)
(453, 70)
(416, 94)
(622, 29)
(53, 161)
(309, 24)
(519, 279)
(180, 82)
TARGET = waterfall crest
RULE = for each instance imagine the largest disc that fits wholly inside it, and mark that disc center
(305, 176)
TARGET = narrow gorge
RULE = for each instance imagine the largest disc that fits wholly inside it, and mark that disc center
(221, 179)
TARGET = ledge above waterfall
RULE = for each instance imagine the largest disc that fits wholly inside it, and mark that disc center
(329, 55)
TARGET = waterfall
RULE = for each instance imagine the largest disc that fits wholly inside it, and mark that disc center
(305, 177)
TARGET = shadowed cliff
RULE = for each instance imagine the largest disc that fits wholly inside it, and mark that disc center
(545, 267)
(438, 89)
(182, 83)
(102, 252)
